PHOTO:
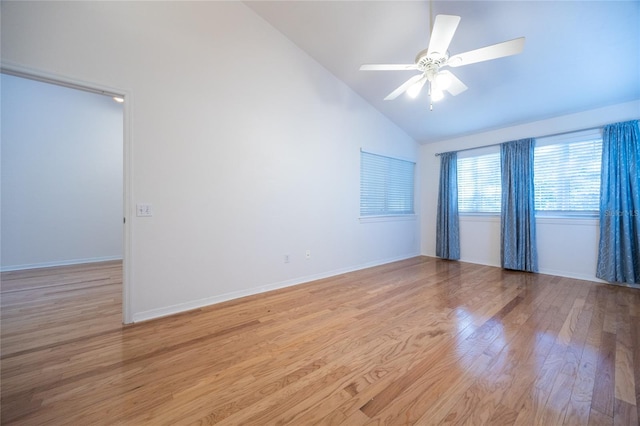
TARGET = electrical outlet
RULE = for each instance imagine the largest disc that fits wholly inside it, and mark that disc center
(308, 254)
(144, 210)
(286, 258)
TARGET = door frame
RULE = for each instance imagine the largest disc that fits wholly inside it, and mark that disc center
(127, 161)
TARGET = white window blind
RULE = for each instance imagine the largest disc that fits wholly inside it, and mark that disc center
(386, 185)
(567, 173)
(479, 189)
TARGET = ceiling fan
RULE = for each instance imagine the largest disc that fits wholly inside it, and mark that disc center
(430, 61)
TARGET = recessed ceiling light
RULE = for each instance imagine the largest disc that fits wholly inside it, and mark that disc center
(118, 99)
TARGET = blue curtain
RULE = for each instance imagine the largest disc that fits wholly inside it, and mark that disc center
(518, 222)
(619, 248)
(448, 226)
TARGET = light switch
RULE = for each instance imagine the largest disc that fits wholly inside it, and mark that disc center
(144, 210)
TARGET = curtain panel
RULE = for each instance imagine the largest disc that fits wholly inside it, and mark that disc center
(619, 247)
(518, 222)
(448, 223)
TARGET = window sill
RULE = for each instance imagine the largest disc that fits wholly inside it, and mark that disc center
(571, 216)
(496, 214)
(572, 220)
(387, 218)
(540, 219)
(480, 217)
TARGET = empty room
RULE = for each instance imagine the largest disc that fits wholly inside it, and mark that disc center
(320, 212)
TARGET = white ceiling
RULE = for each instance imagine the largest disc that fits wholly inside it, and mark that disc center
(578, 55)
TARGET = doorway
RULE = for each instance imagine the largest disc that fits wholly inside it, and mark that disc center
(63, 177)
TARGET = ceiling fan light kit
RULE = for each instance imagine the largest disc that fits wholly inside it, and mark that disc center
(414, 90)
(430, 61)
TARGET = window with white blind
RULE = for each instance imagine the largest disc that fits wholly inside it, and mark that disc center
(479, 181)
(386, 185)
(567, 174)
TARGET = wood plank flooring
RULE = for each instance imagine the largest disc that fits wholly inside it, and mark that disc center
(421, 341)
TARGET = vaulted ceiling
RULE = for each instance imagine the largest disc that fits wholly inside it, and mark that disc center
(578, 55)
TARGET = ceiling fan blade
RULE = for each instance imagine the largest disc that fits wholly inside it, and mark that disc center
(444, 27)
(455, 85)
(403, 87)
(495, 51)
(388, 67)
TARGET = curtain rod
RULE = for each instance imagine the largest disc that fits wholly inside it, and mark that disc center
(536, 137)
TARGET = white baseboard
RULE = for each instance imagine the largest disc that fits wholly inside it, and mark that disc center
(58, 263)
(544, 271)
(474, 261)
(573, 275)
(195, 304)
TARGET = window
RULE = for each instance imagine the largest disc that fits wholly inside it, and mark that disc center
(479, 181)
(567, 174)
(386, 185)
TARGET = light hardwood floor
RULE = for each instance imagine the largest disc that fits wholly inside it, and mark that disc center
(421, 341)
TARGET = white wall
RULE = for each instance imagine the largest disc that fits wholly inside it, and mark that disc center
(61, 175)
(246, 148)
(566, 247)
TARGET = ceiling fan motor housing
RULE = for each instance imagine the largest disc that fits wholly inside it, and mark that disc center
(430, 64)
